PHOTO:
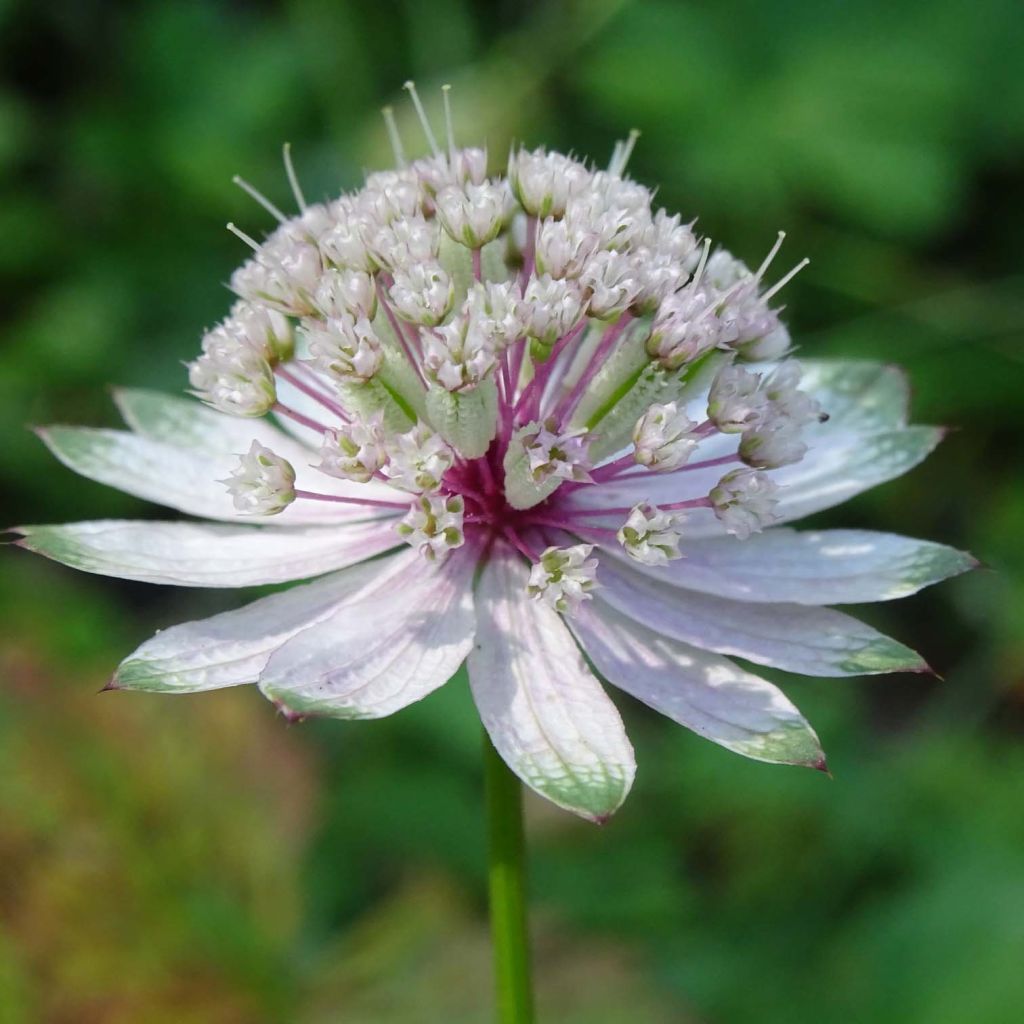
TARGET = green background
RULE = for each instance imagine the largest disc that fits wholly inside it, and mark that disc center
(198, 860)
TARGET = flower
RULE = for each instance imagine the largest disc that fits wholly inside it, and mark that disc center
(558, 439)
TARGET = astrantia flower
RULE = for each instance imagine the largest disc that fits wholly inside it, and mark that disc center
(517, 421)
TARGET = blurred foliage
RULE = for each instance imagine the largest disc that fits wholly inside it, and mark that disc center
(196, 859)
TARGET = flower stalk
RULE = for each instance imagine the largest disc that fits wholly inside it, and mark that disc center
(506, 880)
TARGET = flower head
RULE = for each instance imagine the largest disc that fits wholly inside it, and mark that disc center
(507, 382)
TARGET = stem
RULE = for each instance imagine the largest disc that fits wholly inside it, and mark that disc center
(507, 889)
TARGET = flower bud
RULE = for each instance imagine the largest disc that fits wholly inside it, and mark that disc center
(472, 214)
(354, 451)
(650, 535)
(417, 460)
(563, 577)
(345, 348)
(433, 525)
(664, 438)
(542, 182)
(422, 293)
(263, 484)
(346, 292)
(744, 502)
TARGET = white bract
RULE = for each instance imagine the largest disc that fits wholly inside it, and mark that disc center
(530, 434)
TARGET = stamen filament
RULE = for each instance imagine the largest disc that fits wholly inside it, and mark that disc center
(779, 285)
(410, 88)
(260, 198)
(249, 241)
(293, 179)
(369, 502)
(766, 263)
(449, 129)
(519, 544)
(300, 418)
(307, 389)
(394, 138)
(567, 406)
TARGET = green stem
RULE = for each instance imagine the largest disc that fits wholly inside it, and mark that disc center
(507, 889)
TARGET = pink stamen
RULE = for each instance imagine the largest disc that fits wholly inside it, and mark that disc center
(519, 544)
(400, 334)
(529, 254)
(307, 389)
(567, 406)
(300, 418)
(626, 509)
(613, 469)
(369, 502)
(542, 372)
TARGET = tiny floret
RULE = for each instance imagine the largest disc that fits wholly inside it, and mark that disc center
(497, 310)
(418, 460)
(564, 577)
(651, 535)
(459, 355)
(556, 455)
(232, 375)
(472, 214)
(346, 293)
(345, 348)
(262, 484)
(613, 280)
(744, 501)
(664, 438)
(552, 308)
(355, 451)
(422, 293)
(736, 400)
(433, 525)
(543, 181)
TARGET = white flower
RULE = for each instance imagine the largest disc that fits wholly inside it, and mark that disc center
(736, 400)
(233, 375)
(553, 308)
(472, 214)
(745, 502)
(433, 525)
(614, 280)
(422, 293)
(418, 460)
(542, 182)
(497, 310)
(650, 535)
(354, 451)
(564, 248)
(344, 348)
(346, 293)
(513, 462)
(686, 327)
(459, 355)
(263, 484)
(663, 438)
(564, 577)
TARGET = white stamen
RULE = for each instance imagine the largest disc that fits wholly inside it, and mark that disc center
(410, 88)
(771, 255)
(293, 179)
(779, 285)
(249, 241)
(388, 113)
(449, 128)
(623, 151)
(260, 198)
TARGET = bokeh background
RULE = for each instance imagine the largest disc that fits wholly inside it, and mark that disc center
(197, 859)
